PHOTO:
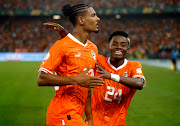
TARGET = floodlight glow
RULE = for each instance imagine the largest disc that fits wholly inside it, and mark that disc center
(56, 17)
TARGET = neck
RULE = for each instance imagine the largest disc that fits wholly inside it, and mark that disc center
(81, 35)
(116, 62)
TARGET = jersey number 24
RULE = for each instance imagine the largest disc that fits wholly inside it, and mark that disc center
(117, 95)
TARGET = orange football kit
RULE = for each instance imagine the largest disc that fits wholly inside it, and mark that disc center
(111, 101)
(69, 57)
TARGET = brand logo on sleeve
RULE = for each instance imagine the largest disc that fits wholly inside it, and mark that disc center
(138, 70)
(47, 56)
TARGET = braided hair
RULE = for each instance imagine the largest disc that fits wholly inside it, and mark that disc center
(73, 12)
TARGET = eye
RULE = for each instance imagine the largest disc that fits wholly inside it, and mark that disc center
(123, 44)
(93, 15)
(114, 43)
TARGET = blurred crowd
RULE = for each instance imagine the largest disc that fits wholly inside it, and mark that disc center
(57, 4)
(150, 37)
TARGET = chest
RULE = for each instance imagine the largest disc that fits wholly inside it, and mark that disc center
(80, 57)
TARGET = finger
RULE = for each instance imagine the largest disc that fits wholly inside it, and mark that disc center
(95, 82)
(47, 23)
(101, 75)
(99, 66)
(96, 78)
(101, 72)
(87, 70)
(93, 86)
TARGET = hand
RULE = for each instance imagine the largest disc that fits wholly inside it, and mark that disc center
(90, 122)
(102, 71)
(85, 80)
(54, 26)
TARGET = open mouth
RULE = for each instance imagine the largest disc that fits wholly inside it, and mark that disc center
(118, 52)
(97, 25)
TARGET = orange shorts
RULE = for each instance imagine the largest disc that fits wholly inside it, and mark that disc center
(63, 114)
(65, 120)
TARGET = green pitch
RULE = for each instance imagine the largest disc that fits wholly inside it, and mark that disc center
(23, 103)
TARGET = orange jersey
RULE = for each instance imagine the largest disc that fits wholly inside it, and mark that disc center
(68, 57)
(111, 101)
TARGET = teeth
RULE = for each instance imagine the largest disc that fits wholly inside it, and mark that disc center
(118, 52)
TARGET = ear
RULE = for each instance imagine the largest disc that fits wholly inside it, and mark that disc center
(108, 47)
(80, 20)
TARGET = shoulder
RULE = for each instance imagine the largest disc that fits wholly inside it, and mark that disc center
(91, 44)
(99, 56)
(101, 59)
(134, 63)
(64, 42)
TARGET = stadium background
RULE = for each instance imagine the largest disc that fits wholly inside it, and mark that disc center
(154, 30)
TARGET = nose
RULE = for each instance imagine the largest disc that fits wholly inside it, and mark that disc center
(119, 46)
(98, 19)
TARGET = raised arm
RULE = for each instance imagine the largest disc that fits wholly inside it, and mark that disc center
(56, 27)
(136, 83)
(83, 79)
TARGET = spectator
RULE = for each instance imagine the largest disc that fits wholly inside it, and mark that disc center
(151, 38)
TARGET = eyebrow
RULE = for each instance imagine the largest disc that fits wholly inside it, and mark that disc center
(124, 42)
(94, 13)
(120, 42)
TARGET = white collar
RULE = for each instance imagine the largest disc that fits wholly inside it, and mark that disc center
(76, 40)
(124, 64)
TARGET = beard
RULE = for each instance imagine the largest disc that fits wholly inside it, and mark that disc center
(97, 31)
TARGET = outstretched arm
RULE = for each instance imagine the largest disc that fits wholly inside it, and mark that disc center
(83, 79)
(56, 27)
(136, 83)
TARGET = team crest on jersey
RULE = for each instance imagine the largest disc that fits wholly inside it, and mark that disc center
(47, 56)
(94, 55)
(125, 75)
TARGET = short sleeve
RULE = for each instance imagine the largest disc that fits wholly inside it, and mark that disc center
(137, 71)
(53, 58)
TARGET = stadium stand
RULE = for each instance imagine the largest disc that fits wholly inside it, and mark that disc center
(152, 35)
(47, 4)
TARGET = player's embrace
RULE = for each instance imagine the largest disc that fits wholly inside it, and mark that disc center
(122, 78)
